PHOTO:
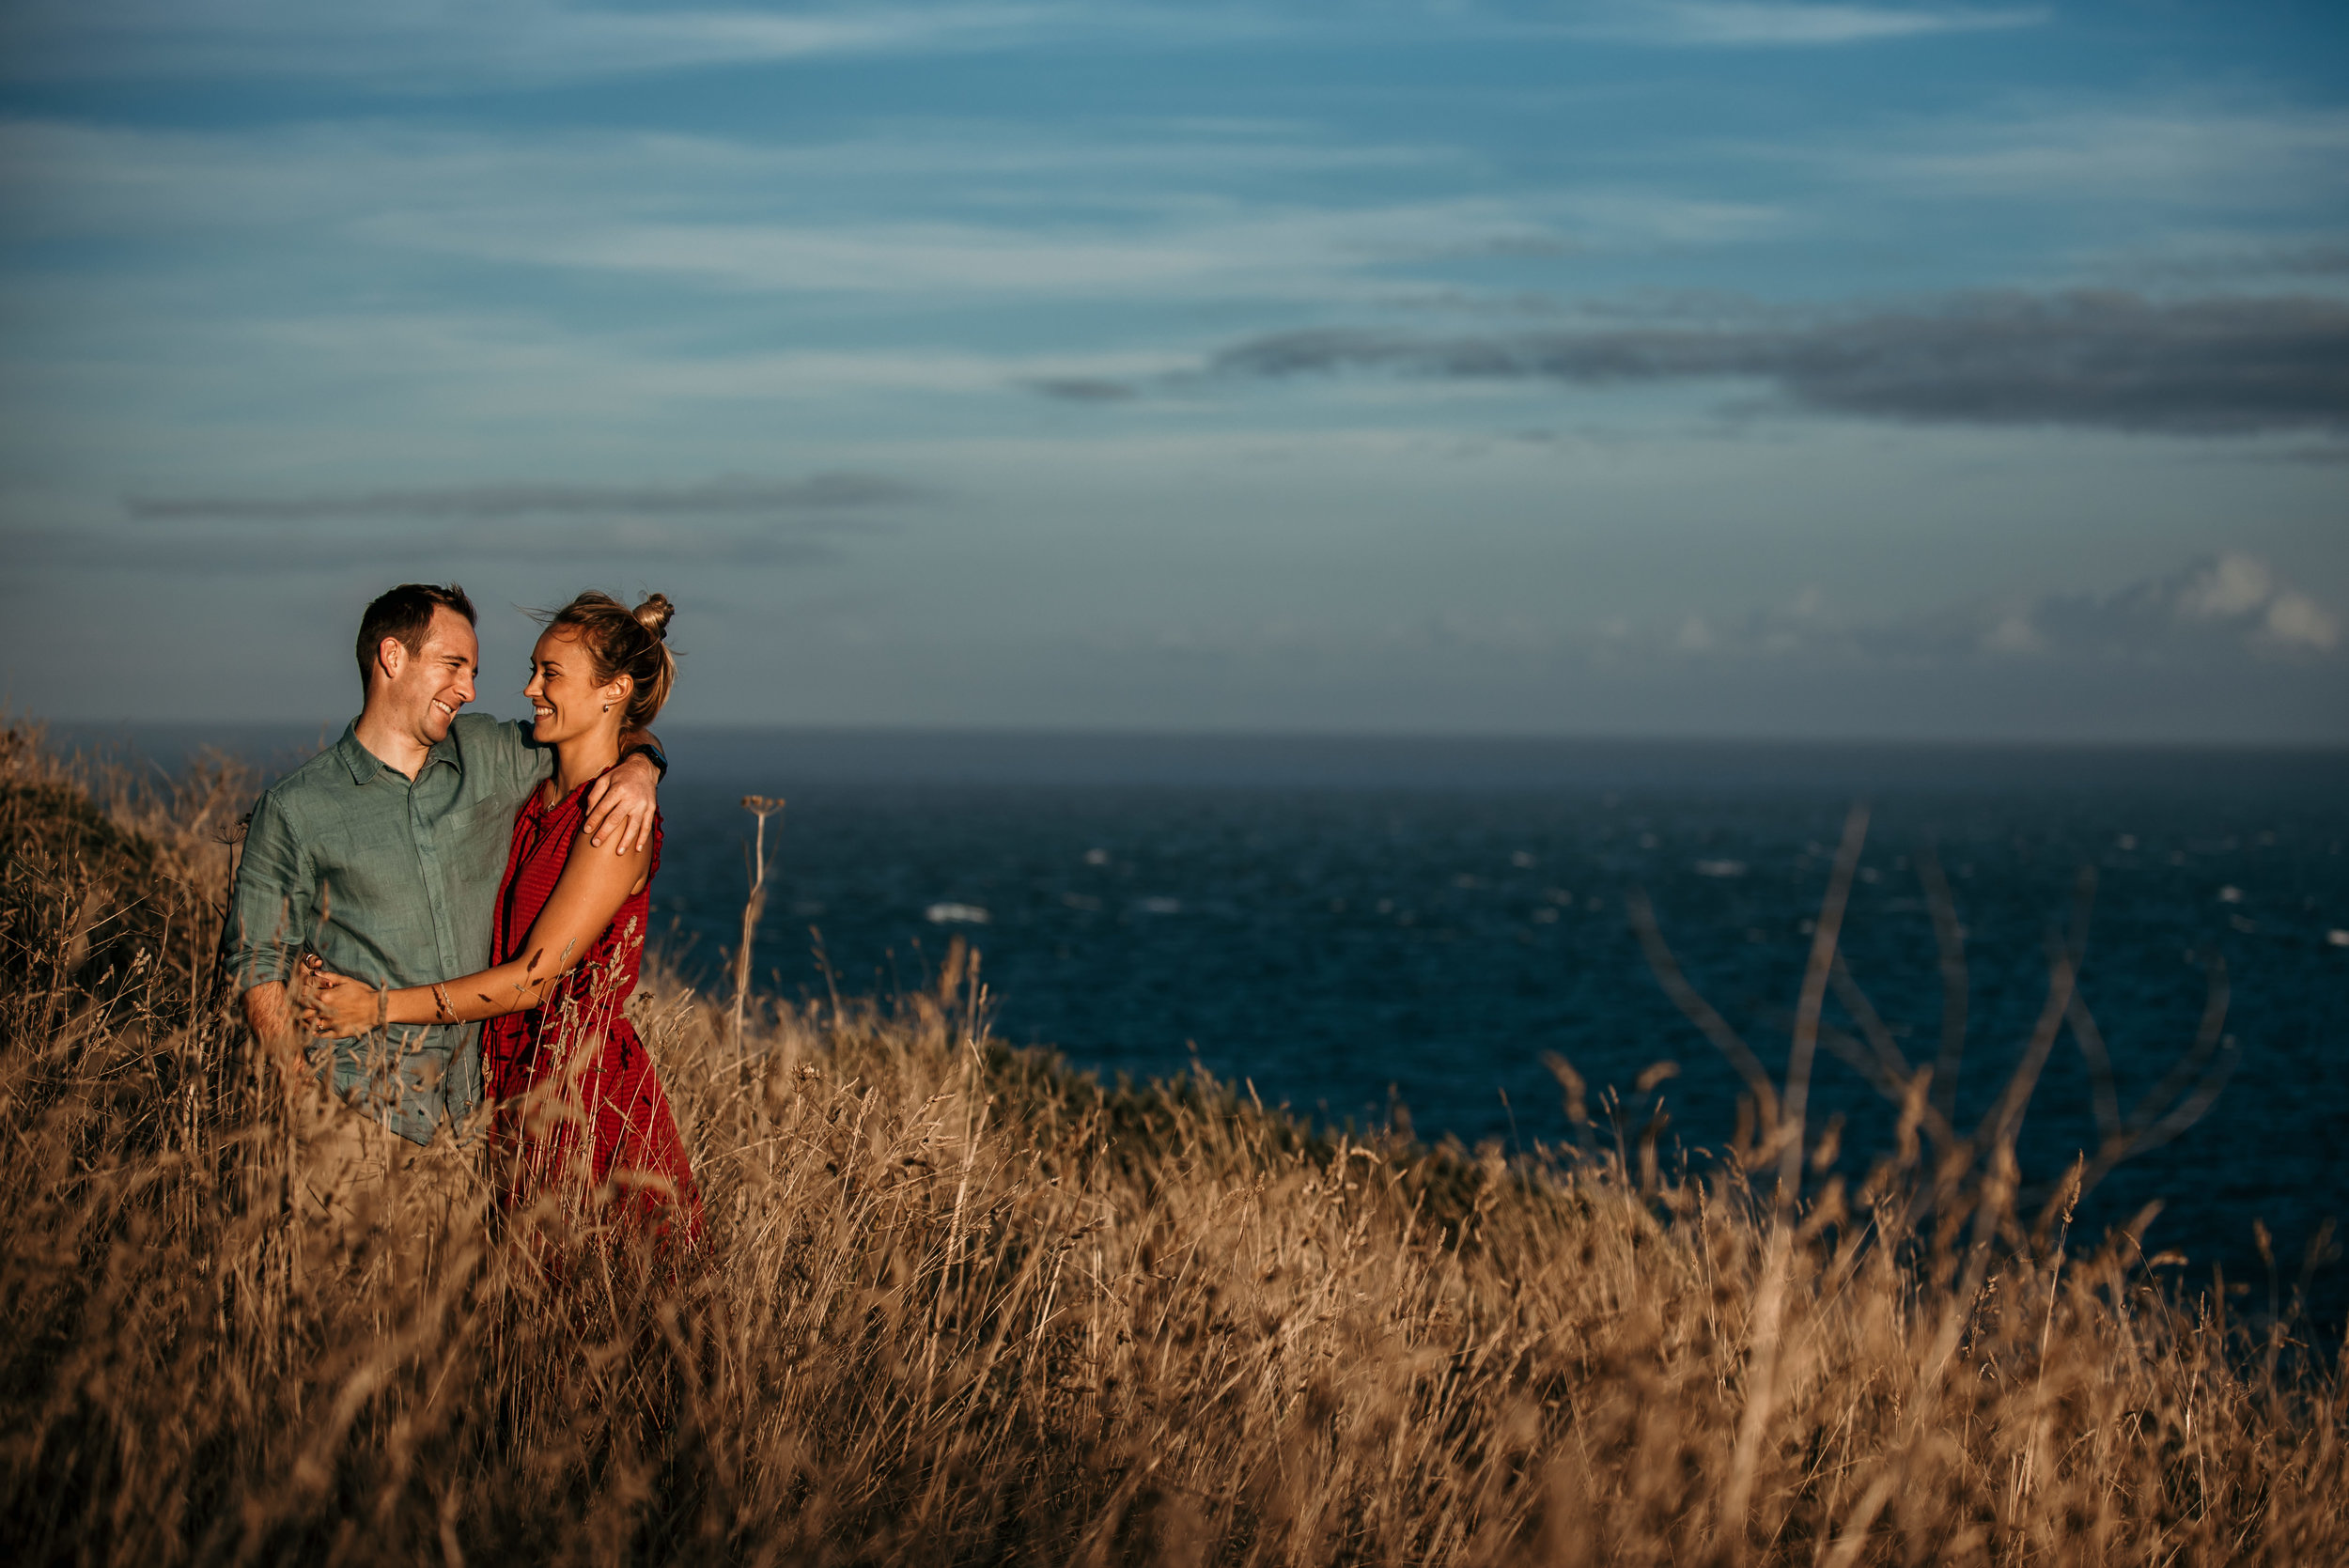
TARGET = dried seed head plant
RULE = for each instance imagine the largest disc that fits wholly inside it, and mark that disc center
(762, 807)
(961, 1305)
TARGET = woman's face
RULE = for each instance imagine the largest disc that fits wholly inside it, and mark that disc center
(564, 697)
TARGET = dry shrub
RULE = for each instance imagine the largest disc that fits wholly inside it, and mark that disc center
(959, 1304)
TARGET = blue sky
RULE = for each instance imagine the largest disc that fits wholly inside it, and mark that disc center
(1709, 367)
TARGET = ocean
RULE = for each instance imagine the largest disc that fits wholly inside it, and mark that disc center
(1353, 926)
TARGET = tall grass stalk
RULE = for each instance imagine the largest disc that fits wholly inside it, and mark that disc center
(959, 1304)
(762, 807)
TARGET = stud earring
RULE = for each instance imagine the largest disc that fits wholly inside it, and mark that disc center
(607, 707)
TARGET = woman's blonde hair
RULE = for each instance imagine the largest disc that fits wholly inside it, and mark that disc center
(624, 641)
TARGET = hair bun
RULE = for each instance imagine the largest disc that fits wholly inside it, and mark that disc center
(653, 615)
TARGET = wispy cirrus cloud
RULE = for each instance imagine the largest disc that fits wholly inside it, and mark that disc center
(2227, 154)
(1170, 244)
(82, 174)
(430, 44)
(925, 209)
(1758, 23)
(2112, 360)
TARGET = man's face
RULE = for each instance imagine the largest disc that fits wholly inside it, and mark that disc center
(432, 684)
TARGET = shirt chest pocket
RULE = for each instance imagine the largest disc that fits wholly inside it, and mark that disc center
(476, 830)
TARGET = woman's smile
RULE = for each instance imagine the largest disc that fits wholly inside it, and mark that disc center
(561, 681)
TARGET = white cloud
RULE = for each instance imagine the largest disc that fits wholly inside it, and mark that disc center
(71, 176)
(2013, 633)
(1267, 250)
(1747, 23)
(890, 258)
(2226, 588)
(2293, 620)
(2220, 609)
(2244, 594)
(2230, 156)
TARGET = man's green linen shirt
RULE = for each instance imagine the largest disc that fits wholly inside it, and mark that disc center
(390, 881)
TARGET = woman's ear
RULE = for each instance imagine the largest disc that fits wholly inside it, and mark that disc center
(617, 693)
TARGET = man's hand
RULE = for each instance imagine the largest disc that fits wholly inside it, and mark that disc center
(620, 806)
(270, 1014)
(334, 1007)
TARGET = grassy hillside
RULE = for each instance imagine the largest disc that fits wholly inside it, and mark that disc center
(960, 1305)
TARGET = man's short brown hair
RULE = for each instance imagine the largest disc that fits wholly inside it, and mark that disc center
(405, 612)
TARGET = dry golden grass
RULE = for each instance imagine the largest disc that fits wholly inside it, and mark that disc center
(961, 1306)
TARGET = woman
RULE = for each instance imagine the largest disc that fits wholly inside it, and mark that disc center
(578, 1108)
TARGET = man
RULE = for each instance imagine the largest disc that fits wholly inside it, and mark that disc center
(382, 857)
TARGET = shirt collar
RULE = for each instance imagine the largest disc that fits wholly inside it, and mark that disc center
(365, 766)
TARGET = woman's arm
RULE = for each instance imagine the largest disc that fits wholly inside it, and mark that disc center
(592, 885)
(623, 798)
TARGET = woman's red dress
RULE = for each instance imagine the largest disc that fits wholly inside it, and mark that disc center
(574, 1064)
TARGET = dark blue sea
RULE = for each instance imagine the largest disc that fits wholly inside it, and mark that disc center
(1347, 924)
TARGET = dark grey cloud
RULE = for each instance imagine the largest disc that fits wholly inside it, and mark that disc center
(2316, 258)
(2105, 359)
(725, 521)
(2305, 259)
(728, 497)
(1083, 389)
(1527, 246)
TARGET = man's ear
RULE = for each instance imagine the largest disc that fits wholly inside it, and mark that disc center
(391, 656)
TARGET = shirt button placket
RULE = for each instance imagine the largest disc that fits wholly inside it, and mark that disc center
(428, 852)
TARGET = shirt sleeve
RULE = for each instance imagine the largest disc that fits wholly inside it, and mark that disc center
(513, 764)
(275, 901)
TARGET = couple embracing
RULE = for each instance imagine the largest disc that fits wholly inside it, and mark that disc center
(437, 921)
